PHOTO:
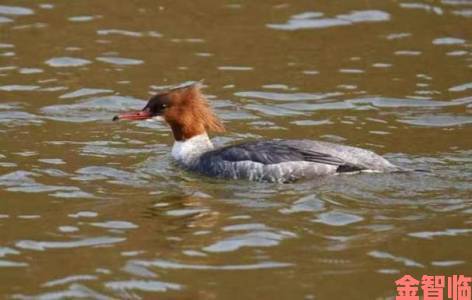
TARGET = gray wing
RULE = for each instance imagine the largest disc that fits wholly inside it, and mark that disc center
(362, 159)
(288, 160)
(277, 151)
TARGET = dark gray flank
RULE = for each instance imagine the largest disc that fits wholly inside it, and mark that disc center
(287, 160)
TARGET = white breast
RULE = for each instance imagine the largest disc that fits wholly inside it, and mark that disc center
(189, 150)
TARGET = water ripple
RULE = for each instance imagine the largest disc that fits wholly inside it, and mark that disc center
(252, 239)
(15, 10)
(387, 256)
(22, 181)
(310, 21)
(437, 120)
(115, 225)
(83, 18)
(104, 150)
(272, 110)
(87, 242)
(407, 52)
(447, 232)
(166, 264)
(467, 13)
(84, 214)
(62, 62)
(4, 251)
(429, 8)
(143, 285)
(69, 279)
(12, 264)
(128, 33)
(18, 118)
(84, 92)
(94, 109)
(461, 88)
(448, 41)
(285, 96)
(18, 87)
(235, 68)
(5, 20)
(338, 218)
(93, 173)
(30, 71)
(120, 61)
(310, 203)
(74, 291)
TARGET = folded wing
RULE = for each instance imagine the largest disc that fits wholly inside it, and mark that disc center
(275, 152)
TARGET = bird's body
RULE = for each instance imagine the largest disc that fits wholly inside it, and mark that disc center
(189, 116)
(276, 160)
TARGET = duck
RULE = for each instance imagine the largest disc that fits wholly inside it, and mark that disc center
(190, 117)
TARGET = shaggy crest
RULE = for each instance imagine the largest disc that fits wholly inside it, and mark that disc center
(189, 113)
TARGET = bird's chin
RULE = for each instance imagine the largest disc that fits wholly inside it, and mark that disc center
(156, 118)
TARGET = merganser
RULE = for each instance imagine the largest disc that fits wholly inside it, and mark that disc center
(190, 117)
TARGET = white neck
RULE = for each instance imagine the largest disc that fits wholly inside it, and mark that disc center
(189, 150)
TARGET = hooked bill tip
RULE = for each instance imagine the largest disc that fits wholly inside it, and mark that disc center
(115, 118)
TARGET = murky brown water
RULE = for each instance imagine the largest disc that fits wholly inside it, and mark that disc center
(94, 209)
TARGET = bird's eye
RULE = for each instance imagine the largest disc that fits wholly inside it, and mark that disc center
(164, 105)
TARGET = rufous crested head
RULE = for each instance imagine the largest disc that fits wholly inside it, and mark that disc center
(184, 108)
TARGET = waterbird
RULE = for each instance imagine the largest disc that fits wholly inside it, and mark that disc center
(185, 109)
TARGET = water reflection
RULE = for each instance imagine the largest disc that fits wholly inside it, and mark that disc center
(120, 60)
(84, 92)
(61, 62)
(88, 242)
(92, 109)
(15, 10)
(309, 20)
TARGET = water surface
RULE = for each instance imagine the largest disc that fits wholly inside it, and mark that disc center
(97, 210)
